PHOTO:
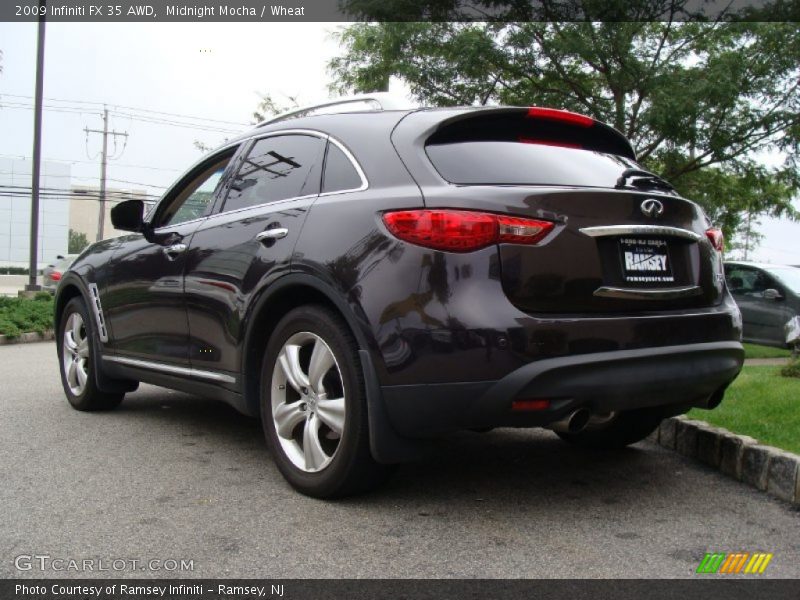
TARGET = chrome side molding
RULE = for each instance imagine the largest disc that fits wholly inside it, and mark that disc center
(171, 369)
(648, 294)
(608, 230)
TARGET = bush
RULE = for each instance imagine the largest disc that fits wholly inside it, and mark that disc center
(23, 315)
(792, 369)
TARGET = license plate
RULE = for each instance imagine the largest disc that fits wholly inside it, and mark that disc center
(645, 261)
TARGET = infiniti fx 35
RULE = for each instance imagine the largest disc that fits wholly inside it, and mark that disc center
(366, 281)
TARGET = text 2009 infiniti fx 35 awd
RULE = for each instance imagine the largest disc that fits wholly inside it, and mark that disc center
(369, 279)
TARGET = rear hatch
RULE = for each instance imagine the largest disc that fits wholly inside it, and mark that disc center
(623, 240)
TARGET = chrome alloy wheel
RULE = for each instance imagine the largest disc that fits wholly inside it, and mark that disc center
(308, 402)
(76, 353)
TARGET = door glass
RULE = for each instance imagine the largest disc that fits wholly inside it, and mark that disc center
(197, 197)
(747, 282)
(277, 168)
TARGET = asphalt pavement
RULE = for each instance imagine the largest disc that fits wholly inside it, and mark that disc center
(169, 476)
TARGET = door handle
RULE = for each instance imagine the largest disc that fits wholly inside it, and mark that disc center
(172, 252)
(272, 234)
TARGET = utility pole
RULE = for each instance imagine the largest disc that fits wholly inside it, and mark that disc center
(101, 220)
(33, 263)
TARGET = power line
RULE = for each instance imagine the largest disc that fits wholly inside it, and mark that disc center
(136, 109)
(142, 118)
(161, 187)
(92, 162)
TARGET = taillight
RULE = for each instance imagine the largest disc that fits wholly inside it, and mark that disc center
(716, 238)
(55, 276)
(463, 230)
(565, 116)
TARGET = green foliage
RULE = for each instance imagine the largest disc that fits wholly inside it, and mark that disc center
(701, 102)
(77, 241)
(758, 351)
(269, 107)
(792, 369)
(23, 315)
(14, 270)
(760, 404)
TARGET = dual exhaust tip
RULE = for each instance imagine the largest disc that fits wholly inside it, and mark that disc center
(580, 419)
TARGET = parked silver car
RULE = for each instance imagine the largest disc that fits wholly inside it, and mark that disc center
(52, 273)
(769, 298)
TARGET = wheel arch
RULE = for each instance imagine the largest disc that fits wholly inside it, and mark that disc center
(278, 299)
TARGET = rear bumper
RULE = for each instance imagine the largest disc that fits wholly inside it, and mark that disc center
(669, 376)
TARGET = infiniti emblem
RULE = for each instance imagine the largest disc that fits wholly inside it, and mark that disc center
(652, 208)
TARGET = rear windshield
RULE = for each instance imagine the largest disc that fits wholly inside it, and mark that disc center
(516, 148)
(520, 163)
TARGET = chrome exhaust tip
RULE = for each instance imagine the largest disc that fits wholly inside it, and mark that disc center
(572, 423)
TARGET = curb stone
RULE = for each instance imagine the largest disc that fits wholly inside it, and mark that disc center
(26, 338)
(766, 468)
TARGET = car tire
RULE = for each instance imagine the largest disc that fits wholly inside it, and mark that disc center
(313, 406)
(627, 428)
(76, 341)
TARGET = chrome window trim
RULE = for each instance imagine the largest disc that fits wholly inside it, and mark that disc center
(171, 369)
(314, 133)
(608, 230)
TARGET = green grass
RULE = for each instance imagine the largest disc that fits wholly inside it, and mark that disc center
(761, 404)
(23, 315)
(756, 351)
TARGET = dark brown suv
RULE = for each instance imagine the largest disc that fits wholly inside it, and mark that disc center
(367, 280)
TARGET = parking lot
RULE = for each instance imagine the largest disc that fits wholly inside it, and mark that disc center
(168, 477)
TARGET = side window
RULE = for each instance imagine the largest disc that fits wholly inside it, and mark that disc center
(340, 174)
(277, 168)
(196, 198)
(747, 281)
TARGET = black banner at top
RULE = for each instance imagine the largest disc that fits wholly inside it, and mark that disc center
(165, 11)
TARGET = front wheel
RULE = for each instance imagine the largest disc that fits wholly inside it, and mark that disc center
(627, 428)
(313, 406)
(76, 341)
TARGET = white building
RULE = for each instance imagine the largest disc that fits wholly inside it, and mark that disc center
(15, 211)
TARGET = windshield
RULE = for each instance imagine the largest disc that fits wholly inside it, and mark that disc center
(788, 276)
(515, 163)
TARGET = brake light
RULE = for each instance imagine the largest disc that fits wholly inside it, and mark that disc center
(716, 238)
(463, 230)
(565, 116)
(55, 276)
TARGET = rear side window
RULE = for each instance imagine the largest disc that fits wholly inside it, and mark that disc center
(277, 168)
(340, 174)
(517, 149)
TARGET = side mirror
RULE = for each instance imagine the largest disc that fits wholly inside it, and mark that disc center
(128, 216)
(772, 294)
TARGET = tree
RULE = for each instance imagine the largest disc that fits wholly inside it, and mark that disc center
(77, 241)
(702, 102)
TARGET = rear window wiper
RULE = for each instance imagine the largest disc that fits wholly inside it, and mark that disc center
(642, 179)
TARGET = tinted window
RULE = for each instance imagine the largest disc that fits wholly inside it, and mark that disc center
(520, 163)
(745, 281)
(195, 198)
(277, 168)
(340, 174)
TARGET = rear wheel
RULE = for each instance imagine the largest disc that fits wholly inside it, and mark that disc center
(626, 428)
(313, 406)
(76, 356)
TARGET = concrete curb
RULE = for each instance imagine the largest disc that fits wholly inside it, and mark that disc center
(26, 338)
(768, 469)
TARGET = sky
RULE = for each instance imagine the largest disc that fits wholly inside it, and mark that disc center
(208, 76)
